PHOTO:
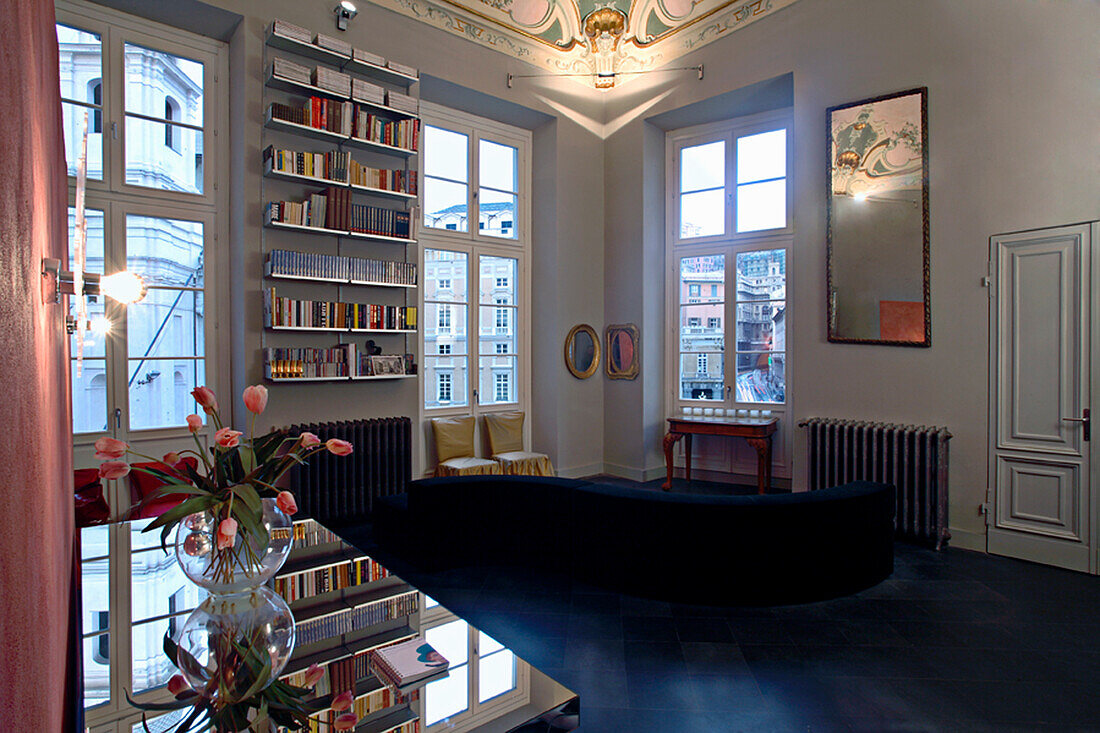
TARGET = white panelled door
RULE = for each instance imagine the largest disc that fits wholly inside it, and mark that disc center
(1043, 321)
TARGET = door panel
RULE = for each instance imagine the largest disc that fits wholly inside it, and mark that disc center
(1040, 341)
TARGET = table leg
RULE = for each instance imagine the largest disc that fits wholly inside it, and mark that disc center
(669, 441)
(763, 448)
(687, 457)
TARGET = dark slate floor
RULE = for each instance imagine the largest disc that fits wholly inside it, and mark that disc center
(953, 641)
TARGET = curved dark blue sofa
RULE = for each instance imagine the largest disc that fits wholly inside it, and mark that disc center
(691, 548)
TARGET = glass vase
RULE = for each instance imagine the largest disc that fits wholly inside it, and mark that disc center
(251, 562)
(228, 638)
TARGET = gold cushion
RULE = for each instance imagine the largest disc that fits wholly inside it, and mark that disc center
(505, 431)
(524, 463)
(468, 467)
(454, 437)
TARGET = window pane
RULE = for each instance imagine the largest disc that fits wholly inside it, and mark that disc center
(703, 166)
(760, 377)
(760, 326)
(445, 321)
(158, 585)
(444, 275)
(497, 279)
(496, 675)
(445, 154)
(157, 81)
(497, 380)
(445, 205)
(153, 163)
(90, 396)
(97, 670)
(762, 275)
(763, 156)
(166, 323)
(93, 541)
(486, 644)
(702, 376)
(701, 328)
(762, 206)
(444, 381)
(152, 667)
(702, 214)
(165, 251)
(704, 271)
(160, 391)
(498, 344)
(451, 640)
(166, 723)
(141, 540)
(73, 119)
(95, 595)
(447, 697)
(496, 214)
(497, 166)
(80, 56)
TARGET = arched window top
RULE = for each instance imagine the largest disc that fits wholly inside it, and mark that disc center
(171, 114)
(95, 96)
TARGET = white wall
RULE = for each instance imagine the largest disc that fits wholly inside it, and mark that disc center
(1013, 109)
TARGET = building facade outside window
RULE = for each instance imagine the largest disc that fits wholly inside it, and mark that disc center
(475, 170)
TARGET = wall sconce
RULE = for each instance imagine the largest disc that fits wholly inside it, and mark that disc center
(124, 287)
(344, 12)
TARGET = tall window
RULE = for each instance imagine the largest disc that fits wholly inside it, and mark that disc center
(153, 215)
(475, 170)
(728, 196)
(484, 679)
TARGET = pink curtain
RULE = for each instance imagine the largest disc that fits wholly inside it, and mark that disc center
(36, 511)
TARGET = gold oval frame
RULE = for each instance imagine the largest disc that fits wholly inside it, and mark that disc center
(570, 363)
(622, 371)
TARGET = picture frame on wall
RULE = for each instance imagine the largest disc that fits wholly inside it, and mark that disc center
(622, 360)
(391, 364)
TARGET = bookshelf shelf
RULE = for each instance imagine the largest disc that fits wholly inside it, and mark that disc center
(347, 63)
(297, 87)
(369, 377)
(383, 192)
(318, 181)
(361, 595)
(382, 147)
(353, 377)
(274, 123)
(341, 330)
(348, 649)
(339, 281)
(380, 237)
(387, 723)
(272, 224)
(379, 73)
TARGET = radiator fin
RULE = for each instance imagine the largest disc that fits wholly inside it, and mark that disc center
(911, 457)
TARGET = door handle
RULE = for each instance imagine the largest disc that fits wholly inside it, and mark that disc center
(1086, 423)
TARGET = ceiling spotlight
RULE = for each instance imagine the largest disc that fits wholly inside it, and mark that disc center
(344, 12)
(125, 287)
(100, 325)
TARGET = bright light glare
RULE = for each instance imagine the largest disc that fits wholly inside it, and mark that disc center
(860, 196)
(348, 6)
(125, 287)
(100, 325)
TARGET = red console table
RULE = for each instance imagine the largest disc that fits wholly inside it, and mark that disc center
(757, 432)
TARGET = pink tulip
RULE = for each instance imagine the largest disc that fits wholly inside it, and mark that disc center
(309, 440)
(228, 438)
(285, 501)
(346, 721)
(314, 675)
(178, 685)
(227, 533)
(255, 398)
(110, 448)
(113, 469)
(171, 459)
(205, 397)
(338, 447)
(342, 701)
(194, 423)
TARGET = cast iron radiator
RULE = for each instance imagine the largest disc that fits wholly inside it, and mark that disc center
(344, 487)
(911, 457)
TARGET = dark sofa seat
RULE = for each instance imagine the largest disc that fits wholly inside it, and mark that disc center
(776, 548)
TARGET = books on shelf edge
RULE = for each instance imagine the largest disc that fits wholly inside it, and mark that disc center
(408, 662)
(367, 57)
(291, 31)
(332, 44)
(402, 68)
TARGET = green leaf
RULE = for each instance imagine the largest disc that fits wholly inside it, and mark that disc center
(191, 506)
(176, 488)
(160, 706)
(266, 445)
(247, 494)
(252, 523)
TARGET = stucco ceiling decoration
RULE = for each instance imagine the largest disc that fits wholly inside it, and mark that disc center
(587, 37)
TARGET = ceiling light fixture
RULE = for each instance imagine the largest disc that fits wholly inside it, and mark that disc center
(344, 12)
(606, 79)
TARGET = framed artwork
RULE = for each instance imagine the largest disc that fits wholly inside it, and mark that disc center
(877, 221)
(386, 365)
(622, 351)
(582, 351)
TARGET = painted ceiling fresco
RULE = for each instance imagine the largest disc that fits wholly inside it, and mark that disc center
(586, 37)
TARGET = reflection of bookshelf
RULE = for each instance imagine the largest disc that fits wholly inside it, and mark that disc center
(345, 606)
(341, 123)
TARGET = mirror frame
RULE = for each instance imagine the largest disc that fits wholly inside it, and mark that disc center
(569, 361)
(628, 371)
(830, 303)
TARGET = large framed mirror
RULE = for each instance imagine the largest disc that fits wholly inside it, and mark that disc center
(582, 351)
(878, 263)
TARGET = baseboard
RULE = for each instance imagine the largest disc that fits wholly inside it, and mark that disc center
(628, 472)
(966, 540)
(581, 471)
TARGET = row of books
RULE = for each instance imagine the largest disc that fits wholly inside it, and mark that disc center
(334, 577)
(287, 69)
(308, 533)
(343, 85)
(334, 165)
(337, 46)
(279, 311)
(334, 209)
(344, 674)
(297, 363)
(386, 179)
(350, 120)
(340, 674)
(339, 267)
(348, 620)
